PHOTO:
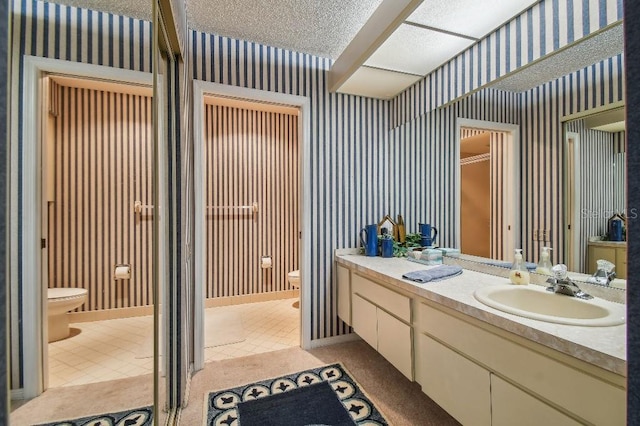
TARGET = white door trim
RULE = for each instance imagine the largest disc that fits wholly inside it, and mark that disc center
(514, 212)
(572, 200)
(200, 89)
(33, 293)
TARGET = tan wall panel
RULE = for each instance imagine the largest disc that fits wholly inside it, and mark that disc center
(102, 165)
(251, 156)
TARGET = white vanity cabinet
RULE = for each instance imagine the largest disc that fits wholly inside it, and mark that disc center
(513, 406)
(382, 318)
(524, 382)
(482, 369)
(455, 383)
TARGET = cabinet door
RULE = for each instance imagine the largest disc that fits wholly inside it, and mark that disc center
(512, 406)
(344, 294)
(621, 263)
(455, 383)
(394, 342)
(364, 320)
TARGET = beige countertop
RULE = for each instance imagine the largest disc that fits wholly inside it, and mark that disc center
(601, 346)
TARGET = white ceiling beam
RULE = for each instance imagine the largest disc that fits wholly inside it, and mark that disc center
(384, 21)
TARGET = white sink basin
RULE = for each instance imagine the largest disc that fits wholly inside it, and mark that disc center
(533, 301)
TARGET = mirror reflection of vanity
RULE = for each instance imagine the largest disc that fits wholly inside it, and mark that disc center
(595, 190)
(578, 186)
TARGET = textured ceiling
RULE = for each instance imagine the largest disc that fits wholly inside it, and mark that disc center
(319, 27)
(140, 9)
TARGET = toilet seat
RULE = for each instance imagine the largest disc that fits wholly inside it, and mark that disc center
(60, 294)
(294, 278)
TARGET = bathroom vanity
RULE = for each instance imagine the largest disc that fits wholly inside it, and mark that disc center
(482, 365)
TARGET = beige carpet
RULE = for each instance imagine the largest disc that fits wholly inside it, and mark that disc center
(72, 402)
(400, 400)
(220, 328)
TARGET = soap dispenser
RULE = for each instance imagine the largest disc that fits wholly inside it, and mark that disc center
(544, 266)
(519, 273)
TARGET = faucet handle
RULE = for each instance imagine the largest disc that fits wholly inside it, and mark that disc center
(560, 271)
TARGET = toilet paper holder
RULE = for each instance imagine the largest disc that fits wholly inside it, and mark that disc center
(121, 271)
(266, 262)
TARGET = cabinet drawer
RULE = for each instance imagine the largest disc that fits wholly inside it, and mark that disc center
(456, 384)
(389, 300)
(364, 320)
(394, 342)
(512, 406)
(556, 381)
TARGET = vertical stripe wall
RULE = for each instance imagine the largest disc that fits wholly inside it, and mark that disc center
(423, 154)
(598, 183)
(103, 164)
(251, 156)
(526, 38)
(542, 146)
(79, 35)
(349, 165)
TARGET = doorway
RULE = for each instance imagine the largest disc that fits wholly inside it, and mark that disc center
(488, 176)
(97, 227)
(239, 215)
(252, 227)
(31, 360)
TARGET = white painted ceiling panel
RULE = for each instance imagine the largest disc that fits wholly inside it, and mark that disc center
(474, 18)
(416, 50)
(377, 83)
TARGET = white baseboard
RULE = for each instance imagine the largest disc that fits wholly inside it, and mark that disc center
(334, 340)
(17, 394)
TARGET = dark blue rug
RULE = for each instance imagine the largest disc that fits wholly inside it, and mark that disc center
(136, 417)
(321, 396)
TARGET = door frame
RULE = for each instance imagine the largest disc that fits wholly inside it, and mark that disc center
(32, 304)
(572, 199)
(200, 90)
(512, 237)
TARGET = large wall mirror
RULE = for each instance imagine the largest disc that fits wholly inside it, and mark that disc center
(595, 182)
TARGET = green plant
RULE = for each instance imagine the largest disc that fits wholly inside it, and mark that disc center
(411, 241)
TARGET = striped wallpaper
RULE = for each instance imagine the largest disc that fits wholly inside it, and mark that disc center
(598, 183)
(543, 141)
(424, 156)
(103, 164)
(350, 165)
(371, 157)
(69, 33)
(251, 156)
(526, 38)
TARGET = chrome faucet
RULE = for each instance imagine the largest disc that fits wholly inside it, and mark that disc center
(562, 284)
(604, 274)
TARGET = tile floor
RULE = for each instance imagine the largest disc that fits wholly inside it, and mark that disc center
(267, 326)
(120, 348)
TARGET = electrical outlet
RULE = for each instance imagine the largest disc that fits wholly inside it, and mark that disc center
(535, 235)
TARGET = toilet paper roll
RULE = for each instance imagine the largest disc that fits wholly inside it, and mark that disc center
(122, 272)
(266, 262)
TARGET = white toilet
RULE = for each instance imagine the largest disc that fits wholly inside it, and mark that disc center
(60, 302)
(294, 278)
